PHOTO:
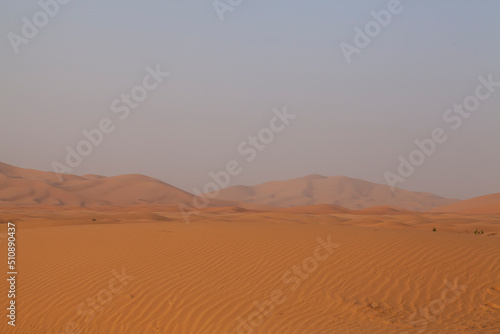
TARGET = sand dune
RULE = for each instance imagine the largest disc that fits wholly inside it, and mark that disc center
(488, 204)
(128, 189)
(316, 209)
(19, 191)
(141, 269)
(383, 209)
(20, 186)
(342, 191)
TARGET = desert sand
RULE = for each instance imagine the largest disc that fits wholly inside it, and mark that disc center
(208, 276)
(115, 255)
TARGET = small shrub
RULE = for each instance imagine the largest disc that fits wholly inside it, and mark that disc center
(93, 219)
(478, 231)
(434, 229)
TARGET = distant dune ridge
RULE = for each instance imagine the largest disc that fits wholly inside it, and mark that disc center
(313, 193)
(488, 204)
(20, 186)
(354, 194)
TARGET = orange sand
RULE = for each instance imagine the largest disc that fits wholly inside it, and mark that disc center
(204, 276)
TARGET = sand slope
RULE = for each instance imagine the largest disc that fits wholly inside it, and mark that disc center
(488, 204)
(342, 191)
(20, 186)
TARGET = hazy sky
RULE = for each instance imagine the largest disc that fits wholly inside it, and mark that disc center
(227, 76)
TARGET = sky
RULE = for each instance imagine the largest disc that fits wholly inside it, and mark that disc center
(232, 67)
